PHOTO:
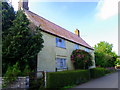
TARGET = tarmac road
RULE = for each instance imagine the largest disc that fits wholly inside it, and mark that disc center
(108, 81)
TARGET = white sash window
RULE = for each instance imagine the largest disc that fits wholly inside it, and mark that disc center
(61, 63)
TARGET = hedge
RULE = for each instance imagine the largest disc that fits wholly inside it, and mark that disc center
(97, 72)
(66, 78)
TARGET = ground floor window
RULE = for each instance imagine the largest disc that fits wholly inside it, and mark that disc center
(61, 63)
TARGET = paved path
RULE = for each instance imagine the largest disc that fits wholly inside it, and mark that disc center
(108, 81)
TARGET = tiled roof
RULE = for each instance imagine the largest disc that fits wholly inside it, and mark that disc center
(54, 29)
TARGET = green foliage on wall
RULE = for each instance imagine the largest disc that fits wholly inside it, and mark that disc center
(81, 59)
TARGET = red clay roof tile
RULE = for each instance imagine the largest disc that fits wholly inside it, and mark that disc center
(52, 28)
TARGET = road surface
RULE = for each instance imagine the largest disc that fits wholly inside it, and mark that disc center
(108, 81)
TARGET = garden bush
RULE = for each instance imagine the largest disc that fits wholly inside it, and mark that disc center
(11, 75)
(37, 84)
(97, 72)
(110, 70)
(66, 78)
(81, 59)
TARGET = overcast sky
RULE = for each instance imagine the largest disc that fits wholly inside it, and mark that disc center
(97, 20)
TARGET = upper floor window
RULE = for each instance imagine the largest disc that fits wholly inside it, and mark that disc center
(60, 42)
(87, 50)
(76, 46)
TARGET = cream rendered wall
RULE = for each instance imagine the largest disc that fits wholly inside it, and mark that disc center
(92, 53)
(47, 57)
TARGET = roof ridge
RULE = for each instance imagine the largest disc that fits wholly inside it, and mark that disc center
(53, 23)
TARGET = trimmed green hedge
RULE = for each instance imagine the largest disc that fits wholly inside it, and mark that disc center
(97, 72)
(65, 78)
(70, 78)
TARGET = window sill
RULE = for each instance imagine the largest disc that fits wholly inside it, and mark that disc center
(60, 47)
(61, 69)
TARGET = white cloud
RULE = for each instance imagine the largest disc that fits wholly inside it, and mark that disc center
(107, 8)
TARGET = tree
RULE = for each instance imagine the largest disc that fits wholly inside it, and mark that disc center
(22, 44)
(8, 15)
(104, 56)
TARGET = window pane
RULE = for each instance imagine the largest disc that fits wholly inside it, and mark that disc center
(87, 50)
(63, 44)
(60, 42)
(76, 46)
(56, 41)
(64, 60)
(60, 63)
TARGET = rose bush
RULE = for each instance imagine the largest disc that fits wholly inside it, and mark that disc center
(81, 59)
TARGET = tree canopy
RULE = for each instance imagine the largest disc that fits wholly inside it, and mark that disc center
(104, 56)
(8, 15)
(21, 43)
(104, 47)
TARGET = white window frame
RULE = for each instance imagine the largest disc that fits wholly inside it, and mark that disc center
(61, 63)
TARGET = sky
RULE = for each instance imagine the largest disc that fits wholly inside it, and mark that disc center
(97, 20)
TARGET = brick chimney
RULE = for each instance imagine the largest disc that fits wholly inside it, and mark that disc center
(23, 4)
(77, 32)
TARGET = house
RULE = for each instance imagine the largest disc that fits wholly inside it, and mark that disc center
(58, 43)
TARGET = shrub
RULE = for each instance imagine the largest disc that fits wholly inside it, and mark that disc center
(110, 70)
(97, 72)
(26, 71)
(11, 74)
(37, 84)
(66, 78)
(81, 59)
(117, 62)
(104, 60)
